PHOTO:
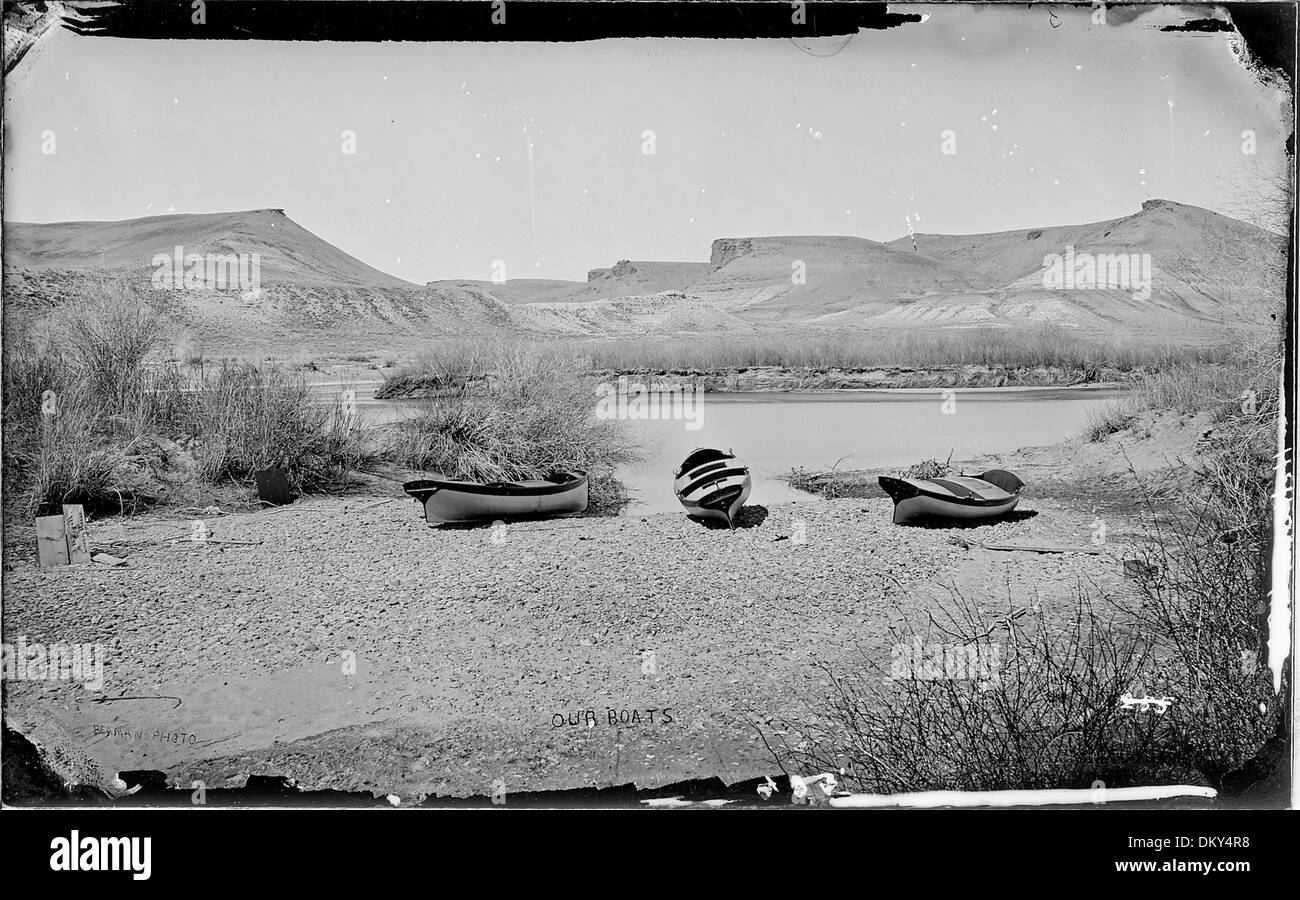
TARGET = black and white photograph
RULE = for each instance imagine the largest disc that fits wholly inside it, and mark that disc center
(652, 407)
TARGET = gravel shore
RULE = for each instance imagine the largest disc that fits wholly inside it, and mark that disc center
(356, 648)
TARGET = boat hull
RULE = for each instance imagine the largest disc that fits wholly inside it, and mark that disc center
(713, 485)
(961, 499)
(461, 502)
(722, 508)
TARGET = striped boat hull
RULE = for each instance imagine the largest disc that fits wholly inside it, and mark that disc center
(713, 485)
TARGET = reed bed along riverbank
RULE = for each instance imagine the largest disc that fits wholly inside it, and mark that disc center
(810, 362)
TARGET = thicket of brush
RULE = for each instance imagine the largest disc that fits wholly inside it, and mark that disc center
(1198, 635)
(241, 419)
(532, 415)
(1050, 715)
(1206, 584)
(96, 417)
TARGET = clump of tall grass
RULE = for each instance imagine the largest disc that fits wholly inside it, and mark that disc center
(243, 418)
(74, 427)
(1191, 388)
(76, 455)
(535, 416)
(98, 418)
(109, 335)
(1109, 418)
(1185, 388)
(447, 367)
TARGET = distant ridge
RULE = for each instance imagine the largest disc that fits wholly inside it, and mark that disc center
(1208, 275)
(289, 253)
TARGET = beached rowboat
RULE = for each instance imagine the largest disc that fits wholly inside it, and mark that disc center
(993, 493)
(449, 502)
(712, 484)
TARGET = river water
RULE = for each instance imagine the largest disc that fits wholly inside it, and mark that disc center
(775, 432)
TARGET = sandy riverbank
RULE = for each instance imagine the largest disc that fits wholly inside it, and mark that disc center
(475, 649)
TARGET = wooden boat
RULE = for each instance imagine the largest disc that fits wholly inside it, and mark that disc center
(962, 497)
(449, 502)
(712, 484)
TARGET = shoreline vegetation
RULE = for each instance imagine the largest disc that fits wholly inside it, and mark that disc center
(103, 418)
(778, 379)
(975, 358)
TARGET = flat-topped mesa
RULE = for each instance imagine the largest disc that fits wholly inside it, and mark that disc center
(724, 250)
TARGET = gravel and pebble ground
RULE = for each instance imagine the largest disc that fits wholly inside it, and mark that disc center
(353, 647)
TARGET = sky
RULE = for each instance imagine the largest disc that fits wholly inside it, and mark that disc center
(535, 155)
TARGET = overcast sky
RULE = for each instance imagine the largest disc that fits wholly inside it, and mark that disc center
(533, 153)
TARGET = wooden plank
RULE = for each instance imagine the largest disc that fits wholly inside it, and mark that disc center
(1031, 548)
(1041, 548)
(51, 542)
(74, 526)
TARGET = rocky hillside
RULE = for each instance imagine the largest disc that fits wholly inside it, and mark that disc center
(1181, 273)
(288, 253)
(1196, 277)
(1206, 272)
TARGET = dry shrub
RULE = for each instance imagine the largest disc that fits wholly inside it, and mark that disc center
(1049, 715)
(109, 442)
(244, 418)
(1207, 578)
(536, 416)
(109, 335)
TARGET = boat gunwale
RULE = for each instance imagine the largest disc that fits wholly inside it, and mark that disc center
(900, 489)
(422, 488)
(702, 456)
